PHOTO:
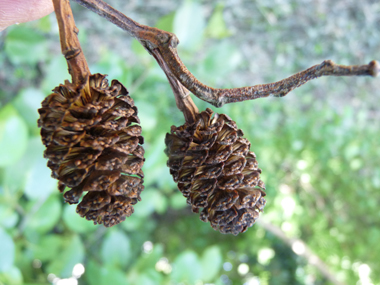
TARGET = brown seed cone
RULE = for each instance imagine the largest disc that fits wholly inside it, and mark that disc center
(211, 162)
(93, 143)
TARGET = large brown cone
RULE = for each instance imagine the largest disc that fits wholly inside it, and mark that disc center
(211, 162)
(93, 143)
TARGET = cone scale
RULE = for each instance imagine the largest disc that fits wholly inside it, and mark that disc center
(215, 170)
(92, 136)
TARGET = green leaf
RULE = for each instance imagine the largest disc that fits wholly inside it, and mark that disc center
(7, 251)
(25, 45)
(177, 201)
(149, 260)
(13, 136)
(71, 254)
(151, 200)
(13, 276)
(17, 174)
(46, 216)
(100, 275)
(189, 24)
(217, 27)
(181, 267)
(110, 64)
(56, 73)
(27, 102)
(8, 217)
(44, 24)
(147, 115)
(166, 22)
(74, 222)
(148, 280)
(39, 182)
(116, 249)
(220, 60)
(211, 263)
(49, 247)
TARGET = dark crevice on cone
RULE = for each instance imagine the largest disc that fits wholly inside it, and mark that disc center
(93, 143)
(215, 170)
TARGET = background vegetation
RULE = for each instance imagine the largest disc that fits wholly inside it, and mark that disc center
(318, 148)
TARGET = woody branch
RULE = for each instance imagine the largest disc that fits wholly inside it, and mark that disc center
(70, 45)
(155, 40)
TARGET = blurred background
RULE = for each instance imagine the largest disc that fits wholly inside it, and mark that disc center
(318, 148)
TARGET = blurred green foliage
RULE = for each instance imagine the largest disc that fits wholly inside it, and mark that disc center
(318, 148)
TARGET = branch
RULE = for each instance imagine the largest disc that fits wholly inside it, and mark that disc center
(166, 43)
(70, 45)
(181, 94)
(301, 249)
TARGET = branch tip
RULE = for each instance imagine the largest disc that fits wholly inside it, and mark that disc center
(166, 43)
(374, 68)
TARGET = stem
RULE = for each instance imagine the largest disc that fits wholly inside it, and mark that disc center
(181, 94)
(166, 43)
(219, 97)
(70, 45)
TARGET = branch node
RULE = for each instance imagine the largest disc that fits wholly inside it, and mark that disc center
(374, 68)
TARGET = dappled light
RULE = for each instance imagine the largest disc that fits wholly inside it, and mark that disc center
(317, 148)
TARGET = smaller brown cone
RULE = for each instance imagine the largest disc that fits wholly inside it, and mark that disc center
(93, 143)
(214, 169)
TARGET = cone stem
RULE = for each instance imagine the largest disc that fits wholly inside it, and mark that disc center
(70, 45)
(182, 96)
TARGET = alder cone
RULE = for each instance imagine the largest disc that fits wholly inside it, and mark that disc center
(215, 170)
(93, 143)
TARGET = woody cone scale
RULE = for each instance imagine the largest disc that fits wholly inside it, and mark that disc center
(92, 136)
(93, 143)
(215, 170)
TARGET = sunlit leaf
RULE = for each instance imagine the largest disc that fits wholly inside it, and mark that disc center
(177, 201)
(189, 24)
(148, 280)
(45, 23)
(13, 276)
(56, 73)
(166, 22)
(71, 253)
(211, 263)
(151, 199)
(149, 260)
(100, 275)
(25, 45)
(181, 265)
(13, 135)
(43, 217)
(217, 27)
(8, 217)
(49, 247)
(27, 102)
(116, 249)
(7, 251)
(220, 60)
(17, 174)
(39, 182)
(147, 115)
(74, 222)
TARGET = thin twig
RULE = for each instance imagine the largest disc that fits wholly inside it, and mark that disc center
(181, 94)
(166, 43)
(70, 45)
(301, 248)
